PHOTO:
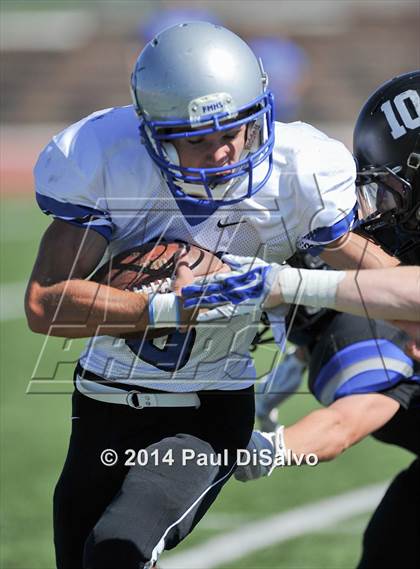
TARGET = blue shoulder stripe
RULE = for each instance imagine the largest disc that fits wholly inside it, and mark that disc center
(66, 210)
(76, 214)
(363, 367)
(371, 382)
(318, 238)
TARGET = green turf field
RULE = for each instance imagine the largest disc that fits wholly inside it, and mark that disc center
(35, 427)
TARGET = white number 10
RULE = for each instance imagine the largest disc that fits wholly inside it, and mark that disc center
(409, 122)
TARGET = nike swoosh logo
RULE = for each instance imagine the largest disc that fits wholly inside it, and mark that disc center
(222, 225)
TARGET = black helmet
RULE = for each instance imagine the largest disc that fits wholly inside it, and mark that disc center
(386, 145)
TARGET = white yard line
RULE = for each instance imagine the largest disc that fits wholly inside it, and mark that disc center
(11, 301)
(254, 536)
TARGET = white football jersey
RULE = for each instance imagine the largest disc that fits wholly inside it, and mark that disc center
(97, 174)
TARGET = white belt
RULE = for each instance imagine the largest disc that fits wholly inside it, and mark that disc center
(133, 397)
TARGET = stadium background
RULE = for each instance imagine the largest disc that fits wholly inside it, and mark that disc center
(63, 60)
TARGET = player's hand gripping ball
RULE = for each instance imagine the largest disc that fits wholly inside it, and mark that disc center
(158, 268)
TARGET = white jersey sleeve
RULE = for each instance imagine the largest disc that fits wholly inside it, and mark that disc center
(69, 178)
(325, 181)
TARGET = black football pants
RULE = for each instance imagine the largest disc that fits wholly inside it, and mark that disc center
(392, 537)
(123, 516)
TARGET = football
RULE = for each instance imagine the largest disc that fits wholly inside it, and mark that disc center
(154, 264)
(145, 264)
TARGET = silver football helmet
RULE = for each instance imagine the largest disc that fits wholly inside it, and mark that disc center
(198, 78)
